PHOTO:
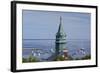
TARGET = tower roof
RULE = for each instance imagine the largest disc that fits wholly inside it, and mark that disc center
(60, 30)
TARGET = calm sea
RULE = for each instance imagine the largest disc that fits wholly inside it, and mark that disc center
(45, 48)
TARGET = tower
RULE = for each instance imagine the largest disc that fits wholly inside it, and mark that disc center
(60, 43)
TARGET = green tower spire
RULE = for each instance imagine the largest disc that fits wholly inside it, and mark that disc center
(60, 39)
(60, 30)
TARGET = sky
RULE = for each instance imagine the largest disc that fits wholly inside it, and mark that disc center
(44, 24)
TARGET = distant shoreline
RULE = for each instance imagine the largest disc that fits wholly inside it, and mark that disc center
(55, 39)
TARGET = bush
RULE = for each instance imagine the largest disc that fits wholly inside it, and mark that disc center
(59, 58)
(24, 60)
(30, 59)
(86, 57)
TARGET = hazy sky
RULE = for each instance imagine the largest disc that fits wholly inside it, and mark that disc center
(44, 24)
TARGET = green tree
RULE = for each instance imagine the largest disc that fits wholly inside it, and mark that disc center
(86, 57)
(24, 60)
(32, 59)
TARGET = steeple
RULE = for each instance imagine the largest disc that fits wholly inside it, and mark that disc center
(60, 30)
